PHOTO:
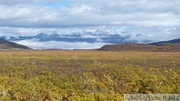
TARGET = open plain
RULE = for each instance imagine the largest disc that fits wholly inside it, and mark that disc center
(52, 75)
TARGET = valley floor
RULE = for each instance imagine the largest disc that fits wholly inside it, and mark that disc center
(86, 75)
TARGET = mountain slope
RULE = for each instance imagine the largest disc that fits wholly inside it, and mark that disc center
(175, 41)
(10, 45)
(142, 47)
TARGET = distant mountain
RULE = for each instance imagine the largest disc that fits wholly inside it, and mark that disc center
(175, 41)
(87, 37)
(83, 36)
(10, 45)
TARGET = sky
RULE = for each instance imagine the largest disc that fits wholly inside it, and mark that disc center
(158, 18)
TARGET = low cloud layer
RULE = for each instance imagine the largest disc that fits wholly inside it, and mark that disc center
(60, 45)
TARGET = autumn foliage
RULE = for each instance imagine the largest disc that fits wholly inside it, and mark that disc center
(86, 75)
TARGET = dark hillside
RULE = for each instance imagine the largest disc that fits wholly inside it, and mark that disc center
(10, 45)
(142, 47)
(175, 41)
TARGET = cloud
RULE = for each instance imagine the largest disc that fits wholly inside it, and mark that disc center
(89, 13)
(29, 2)
(60, 45)
(12, 2)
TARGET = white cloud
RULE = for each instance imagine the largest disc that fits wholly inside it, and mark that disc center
(91, 13)
(22, 2)
(60, 45)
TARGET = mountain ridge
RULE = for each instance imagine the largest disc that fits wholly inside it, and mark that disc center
(174, 41)
(82, 36)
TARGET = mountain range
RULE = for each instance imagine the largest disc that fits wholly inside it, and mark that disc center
(86, 36)
(171, 45)
(81, 39)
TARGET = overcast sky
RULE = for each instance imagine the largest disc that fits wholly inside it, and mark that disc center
(73, 13)
(160, 18)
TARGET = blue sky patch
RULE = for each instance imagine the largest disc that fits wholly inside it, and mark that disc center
(55, 5)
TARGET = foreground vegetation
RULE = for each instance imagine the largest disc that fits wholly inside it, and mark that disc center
(86, 75)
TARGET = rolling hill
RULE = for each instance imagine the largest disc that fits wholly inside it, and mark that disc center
(175, 41)
(10, 45)
(165, 46)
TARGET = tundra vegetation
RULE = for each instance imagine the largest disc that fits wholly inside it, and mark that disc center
(86, 75)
